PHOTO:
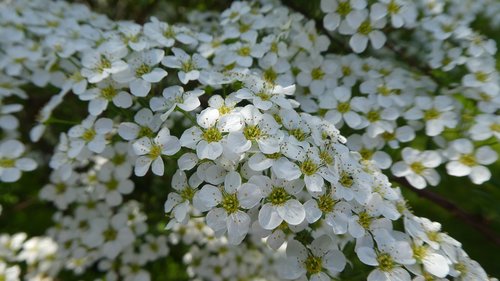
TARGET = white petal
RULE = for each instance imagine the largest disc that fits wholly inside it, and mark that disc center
(158, 167)
(269, 217)
(436, 265)
(292, 212)
(140, 88)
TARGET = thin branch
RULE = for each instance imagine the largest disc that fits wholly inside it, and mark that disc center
(476, 222)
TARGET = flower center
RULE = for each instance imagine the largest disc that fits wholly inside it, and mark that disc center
(230, 203)
(244, 51)
(112, 184)
(431, 114)
(325, 156)
(433, 236)
(308, 167)
(108, 93)
(365, 220)
(264, 96)
(326, 203)
(60, 188)
(223, 110)
(273, 155)
(298, 134)
(495, 127)
(419, 252)
(481, 76)
(103, 64)
(417, 167)
(462, 268)
(346, 70)
(344, 8)
(119, 159)
(212, 135)
(468, 160)
(317, 73)
(278, 196)
(366, 153)
(385, 262)
(145, 132)
(393, 8)
(7, 163)
(365, 28)
(187, 65)
(270, 75)
(155, 151)
(346, 179)
(110, 234)
(388, 136)
(169, 32)
(143, 69)
(343, 107)
(187, 193)
(383, 90)
(88, 135)
(313, 264)
(373, 116)
(252, 132)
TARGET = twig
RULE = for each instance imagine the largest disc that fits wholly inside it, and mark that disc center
(474, 221)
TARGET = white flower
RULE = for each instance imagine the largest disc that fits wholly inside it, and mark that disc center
(339, 106)
(418, 167)
(179, 202)
(243, 54)
(106, 60)
(166, 35)
(377, 119)
(315, 263)
(485, 127)
(363, 28)
(174, 96)
(259, 128)
(132, 35)
(105, 92)
(388, 258)
(401, 12)
(316, 73)
(207, 141)
(352, 182)
(90, 133)
(337, 10)
(483, 76)
(434, 262)
(468, 161)
(264, 95)
(146, 125)
(60, 191)
(224, 205)
(11, 162)
(437, 113)
(336, 213)
(112, 184)
(189, 66)
(151, 151)
(281, 204)
(9, 273)
(142, 71)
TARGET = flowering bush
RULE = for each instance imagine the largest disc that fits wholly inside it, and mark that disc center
(232, 119)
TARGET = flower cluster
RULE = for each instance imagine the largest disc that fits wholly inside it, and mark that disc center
(242, 112)
(386, 105)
